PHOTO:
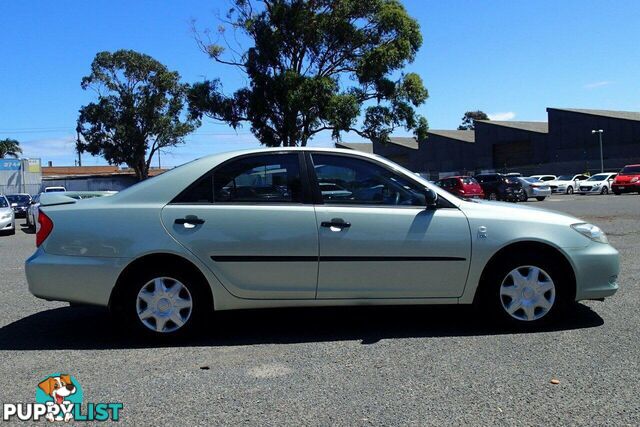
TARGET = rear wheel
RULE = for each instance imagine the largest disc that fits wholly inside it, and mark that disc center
(524, 290)
(164, 303)
(541, 198)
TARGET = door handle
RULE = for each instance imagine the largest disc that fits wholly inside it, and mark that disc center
(189, 220)
(336, 223)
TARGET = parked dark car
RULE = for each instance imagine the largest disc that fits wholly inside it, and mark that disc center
(500, 187)
(20, 204)
(462, 186)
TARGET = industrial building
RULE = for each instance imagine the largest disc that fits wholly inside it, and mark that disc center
(564, 144)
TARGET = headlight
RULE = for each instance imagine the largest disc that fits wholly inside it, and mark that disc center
(635, 179)
(591, 231)
(6, 216)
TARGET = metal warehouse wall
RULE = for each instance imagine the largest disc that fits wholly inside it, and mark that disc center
(91, 183)
(20, 176)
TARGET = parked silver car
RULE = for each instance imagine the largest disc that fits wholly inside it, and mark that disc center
(253, 229)
(7, 217)
(533, 187)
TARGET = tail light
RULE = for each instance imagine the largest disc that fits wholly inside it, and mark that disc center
(46, 226)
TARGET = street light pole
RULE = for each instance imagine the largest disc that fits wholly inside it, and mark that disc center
(600, 132)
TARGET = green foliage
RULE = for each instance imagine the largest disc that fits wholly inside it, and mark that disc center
(138, 111)
(470, 117)
(9, 147)
(316, 65)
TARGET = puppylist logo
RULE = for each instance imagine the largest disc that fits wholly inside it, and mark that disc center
(59, 398)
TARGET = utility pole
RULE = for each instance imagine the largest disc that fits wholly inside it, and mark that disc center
(78, 129)
(600, 132)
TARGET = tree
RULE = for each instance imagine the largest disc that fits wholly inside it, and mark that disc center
(313, 66)
(9, 147)
(470, 117)
(139, 110)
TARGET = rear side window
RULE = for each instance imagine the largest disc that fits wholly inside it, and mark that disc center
(269, 178)
(469, 180)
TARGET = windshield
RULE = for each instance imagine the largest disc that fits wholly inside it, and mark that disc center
(469, 180)
(21, 199)
(630, 170)
(3, 202)
(598, 178)
(532, 179)
(565, 178)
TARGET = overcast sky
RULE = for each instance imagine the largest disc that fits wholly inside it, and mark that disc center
(511, 59)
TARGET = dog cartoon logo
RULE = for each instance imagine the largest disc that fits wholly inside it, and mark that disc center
(60, 393)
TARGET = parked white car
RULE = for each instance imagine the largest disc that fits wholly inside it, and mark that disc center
(54, 189)
(598, 184)
(567, 183)
(7, 217)
(545, 177)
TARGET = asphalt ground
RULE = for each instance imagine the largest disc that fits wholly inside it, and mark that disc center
(347, 366)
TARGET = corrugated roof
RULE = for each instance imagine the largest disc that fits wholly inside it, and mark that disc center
(404, 141)
(365, 147)
(541, 127)
(625, 115)
(459, 135)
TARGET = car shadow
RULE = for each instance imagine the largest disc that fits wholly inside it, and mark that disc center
(27, 229)
(90, 328)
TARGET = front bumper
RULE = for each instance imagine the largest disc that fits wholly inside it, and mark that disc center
(590, 189)
(625, 188)
(79, 279)
(596, 267)
(7, 224)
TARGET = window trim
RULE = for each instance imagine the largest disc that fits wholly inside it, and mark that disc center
(302, 170)
(317, 194)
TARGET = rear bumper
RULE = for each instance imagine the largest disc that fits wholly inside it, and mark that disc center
(86, 280)
(596, 267)
(536, 192)
(625, 188)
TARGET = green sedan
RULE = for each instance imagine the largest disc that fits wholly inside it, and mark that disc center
(266, 228)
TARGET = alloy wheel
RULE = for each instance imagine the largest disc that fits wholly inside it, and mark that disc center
(164, 305)
(604, 190)
(493, 196)
(527, 293)
(569, 190)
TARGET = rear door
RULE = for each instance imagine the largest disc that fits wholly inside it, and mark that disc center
(381, 241)
(249, 222)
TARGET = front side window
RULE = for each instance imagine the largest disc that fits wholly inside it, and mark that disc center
(269, 178)
(347, 180)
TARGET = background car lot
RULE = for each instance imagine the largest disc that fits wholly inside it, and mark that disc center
(419, 365)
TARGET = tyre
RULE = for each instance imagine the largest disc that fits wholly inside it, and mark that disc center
(541, 198)
(569, 190)
(617, 193)
(525, 290)
(604, 190)
(493, 196)
(164, 303)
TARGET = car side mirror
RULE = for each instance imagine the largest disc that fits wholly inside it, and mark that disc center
(431, 199)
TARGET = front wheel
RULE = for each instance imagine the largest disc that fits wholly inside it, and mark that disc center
(604, 190)
(570, 190)
(541, 198)
(526, 290)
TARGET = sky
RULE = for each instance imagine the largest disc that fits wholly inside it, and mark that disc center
(511, 59)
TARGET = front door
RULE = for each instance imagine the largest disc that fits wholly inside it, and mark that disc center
(376, 238)
(247, 222)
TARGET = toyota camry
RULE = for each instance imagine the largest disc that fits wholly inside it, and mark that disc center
(309, 227)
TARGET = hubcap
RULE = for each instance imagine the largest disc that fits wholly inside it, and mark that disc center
(164, 304)
(527, 293)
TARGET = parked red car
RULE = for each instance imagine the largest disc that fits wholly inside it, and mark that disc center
(462, 186)
(627, 181)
